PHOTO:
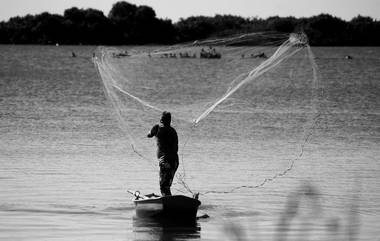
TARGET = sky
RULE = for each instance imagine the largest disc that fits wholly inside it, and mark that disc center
(176, 9)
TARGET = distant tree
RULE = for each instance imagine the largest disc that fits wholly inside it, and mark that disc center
(194, 28)
(165, 32)
(122, 15)
(122, 11)
(74, 14)
(256, 25)
(145, 25)
(145, 14)
(74, 22)
(4, 37)
(139, 24)
(325, 29)
(363, 31)
(286, 25)
(49, 28)
(19, 29)
(44, 28)
(228, 23)
(87, 26)
(131, 24)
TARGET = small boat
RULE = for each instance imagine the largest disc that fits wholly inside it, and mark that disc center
(121, 54)
(171, 207)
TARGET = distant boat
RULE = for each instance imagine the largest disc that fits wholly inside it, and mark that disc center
(259, 55)
(209, 54)
(168, 207)
(121, 54)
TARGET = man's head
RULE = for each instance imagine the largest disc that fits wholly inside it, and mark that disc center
(166, 118)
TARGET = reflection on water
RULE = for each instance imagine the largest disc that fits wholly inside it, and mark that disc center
(165, 229)
(304, 218)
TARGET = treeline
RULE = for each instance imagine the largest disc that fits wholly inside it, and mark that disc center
(131, 24)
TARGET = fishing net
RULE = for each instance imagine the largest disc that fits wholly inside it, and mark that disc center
(246, 100)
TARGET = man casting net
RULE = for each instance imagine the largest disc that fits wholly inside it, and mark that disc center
(248, 100)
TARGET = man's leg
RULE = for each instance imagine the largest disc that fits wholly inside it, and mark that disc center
(167, 172)
(170, 174)
(165, 181)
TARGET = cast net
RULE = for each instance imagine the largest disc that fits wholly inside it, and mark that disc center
(243, 102)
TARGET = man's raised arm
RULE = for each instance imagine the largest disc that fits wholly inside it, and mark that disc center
(153, 132)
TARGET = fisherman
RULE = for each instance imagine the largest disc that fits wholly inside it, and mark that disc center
(167, 151)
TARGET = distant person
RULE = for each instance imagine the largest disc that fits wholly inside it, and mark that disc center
(73, 54)
(167, 151)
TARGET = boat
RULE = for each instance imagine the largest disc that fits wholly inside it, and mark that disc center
(166, 207)
(210, 55)
(121, 54)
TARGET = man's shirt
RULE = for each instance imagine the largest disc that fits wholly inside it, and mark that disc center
(167, 140)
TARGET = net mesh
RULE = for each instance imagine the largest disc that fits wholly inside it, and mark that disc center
(245, 100)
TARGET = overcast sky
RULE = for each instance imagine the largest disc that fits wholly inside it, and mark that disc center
(175, 9)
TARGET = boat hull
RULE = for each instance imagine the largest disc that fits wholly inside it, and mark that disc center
(176, 206)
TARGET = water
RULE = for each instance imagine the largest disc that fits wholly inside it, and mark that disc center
(65, 165)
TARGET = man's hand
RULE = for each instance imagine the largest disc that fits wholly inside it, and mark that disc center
(153, 132)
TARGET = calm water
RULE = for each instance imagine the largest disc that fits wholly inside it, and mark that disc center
(65, 165)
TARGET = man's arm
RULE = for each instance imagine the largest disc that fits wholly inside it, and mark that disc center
(153, 132)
